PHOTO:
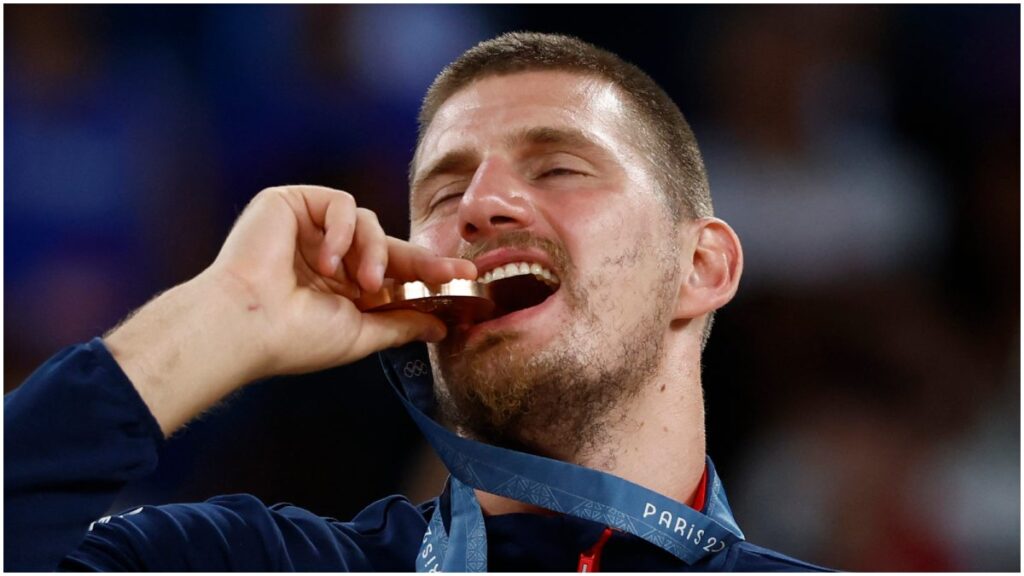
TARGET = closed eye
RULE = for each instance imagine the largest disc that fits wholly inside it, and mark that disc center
(450, 191)
(444, 199)
(559, 172)
(560, 177)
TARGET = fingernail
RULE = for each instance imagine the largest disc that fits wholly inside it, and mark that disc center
(335, 261)
(378, 270)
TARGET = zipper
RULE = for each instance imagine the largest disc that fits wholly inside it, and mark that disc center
(590, 561)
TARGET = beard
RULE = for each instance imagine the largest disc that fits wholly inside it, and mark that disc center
(554, 401)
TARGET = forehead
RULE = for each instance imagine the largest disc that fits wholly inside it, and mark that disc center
(485, 111)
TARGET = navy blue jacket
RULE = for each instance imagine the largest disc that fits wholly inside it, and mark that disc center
(76, 431)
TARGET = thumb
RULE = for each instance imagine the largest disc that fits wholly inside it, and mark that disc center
(382, 330)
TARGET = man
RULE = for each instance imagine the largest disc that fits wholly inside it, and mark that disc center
(554, 171)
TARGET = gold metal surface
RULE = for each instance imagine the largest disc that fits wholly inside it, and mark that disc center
(456, 302)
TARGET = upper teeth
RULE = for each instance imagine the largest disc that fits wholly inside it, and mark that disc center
(520, 269)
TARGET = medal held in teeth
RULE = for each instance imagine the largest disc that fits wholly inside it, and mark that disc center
(463, 301)
(455, 302)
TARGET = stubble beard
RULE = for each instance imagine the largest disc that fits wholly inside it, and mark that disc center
(556, 401)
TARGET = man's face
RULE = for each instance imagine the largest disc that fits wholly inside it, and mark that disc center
(537, 168)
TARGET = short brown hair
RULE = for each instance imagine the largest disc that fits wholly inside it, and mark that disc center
(664, 136)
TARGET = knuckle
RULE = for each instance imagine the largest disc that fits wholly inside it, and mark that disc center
(367, 214)
(278, 190)
(286, 193)
(371, 226)
(345, 204)
(346, 197)
(265, 193)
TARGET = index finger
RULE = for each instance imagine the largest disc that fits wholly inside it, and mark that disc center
(408, 262)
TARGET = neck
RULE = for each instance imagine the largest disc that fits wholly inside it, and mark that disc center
(659, 445)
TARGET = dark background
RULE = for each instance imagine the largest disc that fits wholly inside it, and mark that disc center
(862, 390)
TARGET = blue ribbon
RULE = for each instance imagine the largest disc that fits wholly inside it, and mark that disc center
(558, 486)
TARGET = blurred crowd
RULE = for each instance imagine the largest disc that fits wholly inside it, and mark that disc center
(863, 390)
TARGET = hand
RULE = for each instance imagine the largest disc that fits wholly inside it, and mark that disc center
(278, 299)
(301, 255)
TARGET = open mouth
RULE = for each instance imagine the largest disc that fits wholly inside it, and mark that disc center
(519, 285)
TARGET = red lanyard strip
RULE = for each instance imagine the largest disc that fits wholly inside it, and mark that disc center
(590, 561)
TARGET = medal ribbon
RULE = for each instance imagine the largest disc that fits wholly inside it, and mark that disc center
(552, 484)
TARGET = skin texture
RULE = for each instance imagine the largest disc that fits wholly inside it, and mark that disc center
(607, 374)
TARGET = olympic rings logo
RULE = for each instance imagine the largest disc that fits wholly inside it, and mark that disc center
(415, 368)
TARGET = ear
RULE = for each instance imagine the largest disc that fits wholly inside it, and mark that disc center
(713, 273)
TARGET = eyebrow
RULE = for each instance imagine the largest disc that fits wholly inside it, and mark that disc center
(547, 136)
(466, 159)
(454, 162)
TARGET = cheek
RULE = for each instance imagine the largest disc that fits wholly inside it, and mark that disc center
(607, 236)
(621, 274)
(439, 236)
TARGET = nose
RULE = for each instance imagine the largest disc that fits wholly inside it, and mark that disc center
(496, 201)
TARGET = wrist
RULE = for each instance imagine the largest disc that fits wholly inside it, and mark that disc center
(189, 347)
(235, 323)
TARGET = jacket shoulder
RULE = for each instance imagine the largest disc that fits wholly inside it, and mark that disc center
(238, 532)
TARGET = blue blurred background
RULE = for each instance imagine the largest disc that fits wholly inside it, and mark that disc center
(863, 390)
